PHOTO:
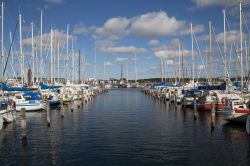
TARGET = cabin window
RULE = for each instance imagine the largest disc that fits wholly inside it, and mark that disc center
(28, 97)
(18, 97)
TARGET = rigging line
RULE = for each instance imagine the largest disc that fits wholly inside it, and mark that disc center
(199, 52)
(223, 58)
(235, 47)
(13, 37)
(244, 18)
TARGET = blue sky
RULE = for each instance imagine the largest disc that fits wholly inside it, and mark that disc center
(119, 28)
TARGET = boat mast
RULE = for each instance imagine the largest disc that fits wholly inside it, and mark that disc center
(37, 71)
(241, 45)
(192, 39)
(73, 62)
(33, 55)
(51, 56)
(41, 46)
(95, 66)
(67, 54)
(12, 55)
(175, 68)
(161, 70)
(127, 73)
(135, 67)
(246, 58)
(210, 50)
(58, 59)
(225, 46)
(84, 67)
(21, 48)
(79, 70)
(104, 64)
(54, 56)
(179, 72)
(3, 76)
(182, 59)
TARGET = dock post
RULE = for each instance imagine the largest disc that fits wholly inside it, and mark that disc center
(175, 101)
(62, 109)
(184, 104)
(78, 98)
(195, 109)
(213, 115)
(23, 125)
(72, 102)
(248, 124)
(48, 114)
(82, 100)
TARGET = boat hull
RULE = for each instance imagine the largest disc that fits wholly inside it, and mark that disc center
(30, 107)
(208, 107)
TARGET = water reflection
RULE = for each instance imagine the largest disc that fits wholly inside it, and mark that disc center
(125, 127)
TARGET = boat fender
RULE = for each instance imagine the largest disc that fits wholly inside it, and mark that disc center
(14, 105)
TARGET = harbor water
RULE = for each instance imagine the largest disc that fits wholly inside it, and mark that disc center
(124, 127)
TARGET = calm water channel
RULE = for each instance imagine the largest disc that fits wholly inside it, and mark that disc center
(124, 127)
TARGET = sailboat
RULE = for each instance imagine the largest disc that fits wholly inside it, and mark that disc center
(7, 107)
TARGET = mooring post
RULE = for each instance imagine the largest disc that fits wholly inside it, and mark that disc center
(23, 125)
(248, 124)
(62, 109)
(195, 109)
(175, 100)
(72, 102)
(82, 100)
(78, 98)
(48, 114)
(213, 115)
(87, 98)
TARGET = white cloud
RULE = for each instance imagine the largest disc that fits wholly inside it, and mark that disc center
(121, 59)
(153, 42)
(54, 1)
(155, 24)
(196, 29)
(223, 3)
(108, 63)
(60, 36)
(80, 29)
(171, 53)
(114, 28)
(231, 37)
(202, 38)
(123, 49)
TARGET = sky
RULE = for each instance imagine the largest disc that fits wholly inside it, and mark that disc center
(119, 30)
